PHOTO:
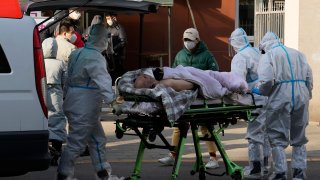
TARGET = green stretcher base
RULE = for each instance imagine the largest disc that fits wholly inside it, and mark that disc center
(148, 128)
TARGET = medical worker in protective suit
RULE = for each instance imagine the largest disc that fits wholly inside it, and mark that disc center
(88, 83)
(55, 71)
(286, 78)
(97, 19)
(245, 64)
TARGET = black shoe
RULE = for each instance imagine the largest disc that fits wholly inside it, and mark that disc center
(299, 174)
(280, 176)
(64, 177)
(55, 155)
(255, 172)
(61, 177)
(256, 167)
(54, 162)
(86, 152)
(57, 145)
(103, 175)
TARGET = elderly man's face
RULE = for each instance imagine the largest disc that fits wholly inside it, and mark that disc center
(144, 81)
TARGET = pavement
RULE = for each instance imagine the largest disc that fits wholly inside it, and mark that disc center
(125, 149)
(233, 140)
(122, 154)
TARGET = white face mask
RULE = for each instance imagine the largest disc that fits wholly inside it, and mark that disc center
(75, 15)
(110, 22)
(73, 38)
(189, 44)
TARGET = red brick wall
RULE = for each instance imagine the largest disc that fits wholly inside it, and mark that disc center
(214, 20)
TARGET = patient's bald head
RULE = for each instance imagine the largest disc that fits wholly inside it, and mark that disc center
(145, 81)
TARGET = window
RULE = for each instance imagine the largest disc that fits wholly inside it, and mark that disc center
(4, 65)
(246, 16)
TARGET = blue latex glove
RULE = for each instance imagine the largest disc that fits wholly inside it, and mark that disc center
(255, 91)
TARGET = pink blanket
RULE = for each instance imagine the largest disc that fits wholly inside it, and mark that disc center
(213, 84)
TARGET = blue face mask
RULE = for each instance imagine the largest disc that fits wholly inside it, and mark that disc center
(73, 38)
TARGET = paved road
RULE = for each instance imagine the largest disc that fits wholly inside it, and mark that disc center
(122, 153)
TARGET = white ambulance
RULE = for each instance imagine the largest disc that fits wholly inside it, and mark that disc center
(23, 111)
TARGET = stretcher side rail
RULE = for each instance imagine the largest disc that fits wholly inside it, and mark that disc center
(137, 98)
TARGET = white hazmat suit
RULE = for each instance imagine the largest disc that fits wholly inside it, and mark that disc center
(286, 78)
(88, 83)
(245, 64)
(55, 72)
(97, 19)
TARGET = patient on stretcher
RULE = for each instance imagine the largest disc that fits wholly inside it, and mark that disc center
(176, 89)
(212, 84)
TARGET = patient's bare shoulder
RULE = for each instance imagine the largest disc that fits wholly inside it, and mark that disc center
(177, 84)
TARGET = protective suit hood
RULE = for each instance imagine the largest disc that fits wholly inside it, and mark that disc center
(49, 48)
(98, 38)
(238, 39)
(97, 19)
(268, 41)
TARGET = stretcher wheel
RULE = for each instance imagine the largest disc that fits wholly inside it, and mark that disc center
(202, 175)
(152, 136)
(237, 176)
(119, 133)
(192, 172)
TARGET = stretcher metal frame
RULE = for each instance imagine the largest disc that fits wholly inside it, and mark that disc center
(221, 115)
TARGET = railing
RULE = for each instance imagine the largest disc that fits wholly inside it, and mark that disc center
(269, 16)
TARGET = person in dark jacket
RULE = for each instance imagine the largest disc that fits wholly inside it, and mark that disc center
(195, 53)
(116, 52)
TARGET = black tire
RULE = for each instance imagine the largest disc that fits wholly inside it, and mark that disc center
(192, 172)
(237, 176)
(202, 175)
(152, 136)
(119, 134)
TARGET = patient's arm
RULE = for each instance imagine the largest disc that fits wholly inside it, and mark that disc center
(177, 85)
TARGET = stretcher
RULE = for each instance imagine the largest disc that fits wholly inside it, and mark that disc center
(216, 115)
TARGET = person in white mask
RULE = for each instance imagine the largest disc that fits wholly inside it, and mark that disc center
(286, 78)
(74, 20)
(75, 15)
(196, 54)
(115, 53)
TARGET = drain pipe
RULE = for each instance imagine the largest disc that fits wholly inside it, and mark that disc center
(191, 14)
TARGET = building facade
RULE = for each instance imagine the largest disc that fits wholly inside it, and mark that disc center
(215, 20)
(302, 29)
